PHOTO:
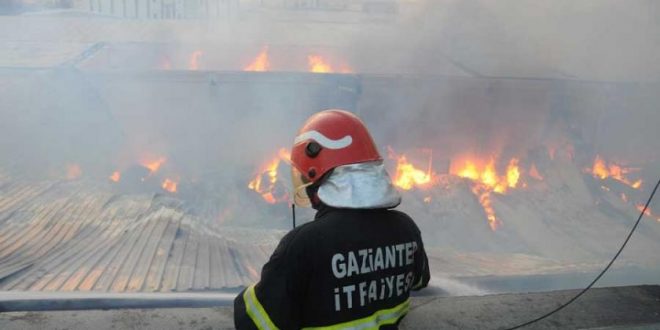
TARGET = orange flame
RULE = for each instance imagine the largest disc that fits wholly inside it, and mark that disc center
(534, 173)
(648, 212)
(266, 190)
(483, 194)
(194, 60)
(602, 170)
(318, 65)
(73, 171)
(485, 180)
(261, 63)
(115, 177)
(513, 173)
(407, 176)
(154, 165)
(169, 185)
(487, 174)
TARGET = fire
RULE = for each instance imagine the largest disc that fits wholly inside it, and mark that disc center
(483, 194)
(534, 173)
(487, 174)
(407, 176)
(73, 171)
(318, 65)
(269, 172)
(513, 173)
(169, 185)
(486, 180)
(648, 212)
(115, 177)
(602, 170)
(261, 63)
(194, 60)
(154, 165)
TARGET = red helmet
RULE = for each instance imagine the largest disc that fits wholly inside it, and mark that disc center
(328, 139)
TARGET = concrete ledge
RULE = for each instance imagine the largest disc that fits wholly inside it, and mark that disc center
(635, 307)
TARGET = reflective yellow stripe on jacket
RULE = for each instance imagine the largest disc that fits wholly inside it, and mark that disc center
(375, 320)
(256, 311)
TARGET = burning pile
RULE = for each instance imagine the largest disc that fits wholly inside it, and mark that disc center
(407, 176)
(482, 175)
(267, 181)
(603, 170)
(151, 166)
(485, 180)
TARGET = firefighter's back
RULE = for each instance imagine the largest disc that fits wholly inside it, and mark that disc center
(363, 264)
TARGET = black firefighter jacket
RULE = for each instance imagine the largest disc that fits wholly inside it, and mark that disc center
(346, 269)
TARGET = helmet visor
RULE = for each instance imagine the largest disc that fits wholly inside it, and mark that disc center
(300, 197)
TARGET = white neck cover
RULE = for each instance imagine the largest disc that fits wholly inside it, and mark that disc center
(360, 186)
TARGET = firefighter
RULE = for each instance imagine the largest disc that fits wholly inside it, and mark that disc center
(355, 264)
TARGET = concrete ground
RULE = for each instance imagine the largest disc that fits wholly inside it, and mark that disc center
(636, 307)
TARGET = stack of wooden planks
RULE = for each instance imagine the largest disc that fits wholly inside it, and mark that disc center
(75, 236)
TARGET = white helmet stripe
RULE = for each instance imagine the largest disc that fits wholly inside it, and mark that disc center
(325, 141)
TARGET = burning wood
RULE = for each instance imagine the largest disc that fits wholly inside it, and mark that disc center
(407, 176)
(483, 194)
(261, 63)
(268, 188)
(154, 165)
(603, 170)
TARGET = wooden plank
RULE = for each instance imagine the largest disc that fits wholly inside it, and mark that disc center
(13, 232)
(92, 247)
(88, 241)
(66, 228)
(123, 249)
(163, 253)
(146, 259)
(62, 239)
(233, 276)
(216, 276)
(18, 194)
(171, 275)
(66, 259)
(28, 197)
(121, 279)
(187, 267)
(8, 271)
(202, 265)
(17, 225)
(106, 253)
(37, 234)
